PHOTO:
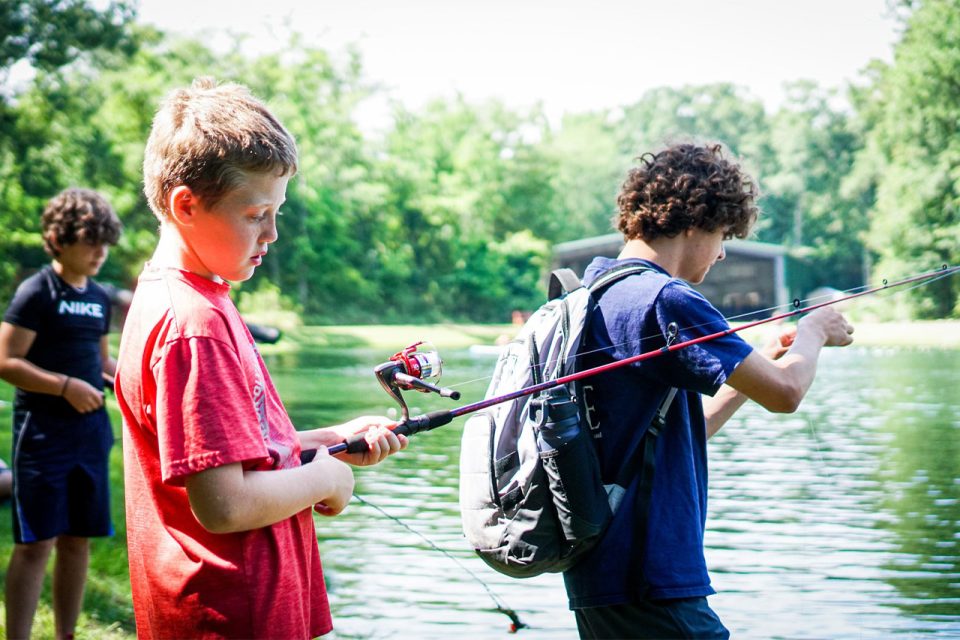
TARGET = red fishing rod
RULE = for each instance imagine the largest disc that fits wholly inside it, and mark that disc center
(405, 369)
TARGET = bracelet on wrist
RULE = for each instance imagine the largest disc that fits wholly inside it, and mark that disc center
(66, 383)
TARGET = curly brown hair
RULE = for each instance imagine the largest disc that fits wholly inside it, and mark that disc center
(686, 186)
(206, 136)
(78, 215)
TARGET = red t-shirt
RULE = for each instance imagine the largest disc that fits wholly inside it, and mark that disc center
(195, 394)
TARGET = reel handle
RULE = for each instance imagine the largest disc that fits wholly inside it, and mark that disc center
(412, 382)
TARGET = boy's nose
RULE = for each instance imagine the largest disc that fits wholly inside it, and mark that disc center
(270, 233)
(723, 253)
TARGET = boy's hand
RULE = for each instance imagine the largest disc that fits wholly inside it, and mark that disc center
(381, 440)
(82, 396)
(340, 478)
(836, 331)
(780, 344)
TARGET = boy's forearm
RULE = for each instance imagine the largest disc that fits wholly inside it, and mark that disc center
(229, 499)
(721, 407)
(800, 361)
(15, 343)
(25, 375)
(779, 385)
(110, 367)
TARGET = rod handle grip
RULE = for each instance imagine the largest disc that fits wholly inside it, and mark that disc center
(358, 444)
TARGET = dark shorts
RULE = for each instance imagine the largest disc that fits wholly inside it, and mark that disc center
(61, 479)
(681, 618)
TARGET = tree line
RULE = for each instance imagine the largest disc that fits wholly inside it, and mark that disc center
(451, 212)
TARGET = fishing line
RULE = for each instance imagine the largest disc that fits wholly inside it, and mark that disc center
(813, 428)
(515, 623)
(821, 300)
(818, 441)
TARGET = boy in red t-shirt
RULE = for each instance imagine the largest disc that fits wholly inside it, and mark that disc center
(220, 533)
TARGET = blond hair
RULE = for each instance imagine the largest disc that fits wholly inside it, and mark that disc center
(205, 137)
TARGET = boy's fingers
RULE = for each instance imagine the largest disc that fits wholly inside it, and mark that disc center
(374, 434)
(324, 510)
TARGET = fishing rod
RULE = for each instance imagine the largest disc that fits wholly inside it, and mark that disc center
(406, 369)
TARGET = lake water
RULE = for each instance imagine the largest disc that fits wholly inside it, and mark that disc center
(839, 521)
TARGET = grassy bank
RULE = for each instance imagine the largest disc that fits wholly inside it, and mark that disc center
(391, 337)
(917, 334)
(943, 334)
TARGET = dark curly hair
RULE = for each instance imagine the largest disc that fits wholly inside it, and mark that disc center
(686, 186)
(79, 215)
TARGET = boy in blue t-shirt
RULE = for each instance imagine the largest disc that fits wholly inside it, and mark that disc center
(648, 577)
(53, 349)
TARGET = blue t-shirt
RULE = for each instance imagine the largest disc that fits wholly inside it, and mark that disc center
(632, 317)
(69, 324)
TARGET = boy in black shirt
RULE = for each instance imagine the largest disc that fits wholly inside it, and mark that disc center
(53, 348)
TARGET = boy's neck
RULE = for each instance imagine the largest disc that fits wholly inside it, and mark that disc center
(174, 253)
(664, 252)
(72, 278)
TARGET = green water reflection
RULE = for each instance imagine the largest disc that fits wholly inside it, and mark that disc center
(843, 519)
(839, 521)
(920, 480)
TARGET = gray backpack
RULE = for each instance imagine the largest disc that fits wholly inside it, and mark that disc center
(531, 496)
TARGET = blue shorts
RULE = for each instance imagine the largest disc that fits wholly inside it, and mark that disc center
(61, 478)
(661, 619)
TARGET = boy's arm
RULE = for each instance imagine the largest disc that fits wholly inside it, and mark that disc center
(109, 363)
(780, 385)
(720, 407)
(229, 499)
(15, 343)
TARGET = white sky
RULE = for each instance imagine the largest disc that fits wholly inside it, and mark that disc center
(568, 55)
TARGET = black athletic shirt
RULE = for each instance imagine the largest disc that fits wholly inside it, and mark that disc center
(69, 324)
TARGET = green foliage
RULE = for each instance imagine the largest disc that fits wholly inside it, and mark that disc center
(590, 167)
(461, 184)
(912, 154)
(49, 141)
(719, 112)
(450, 215)
(48, 34)
(805, 204)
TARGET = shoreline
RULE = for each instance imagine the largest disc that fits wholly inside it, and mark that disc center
(926, 334)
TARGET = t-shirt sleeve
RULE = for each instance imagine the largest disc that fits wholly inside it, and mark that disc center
(206, 416)
(702, 367)
(25, 308)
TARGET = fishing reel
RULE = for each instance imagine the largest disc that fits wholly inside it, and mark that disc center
(408, 369)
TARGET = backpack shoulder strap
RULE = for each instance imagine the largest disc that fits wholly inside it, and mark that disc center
(642, 461)
(616, 274)
(562, 281)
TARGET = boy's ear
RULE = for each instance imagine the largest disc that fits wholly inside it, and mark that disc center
(54, 243)
(183, 205)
